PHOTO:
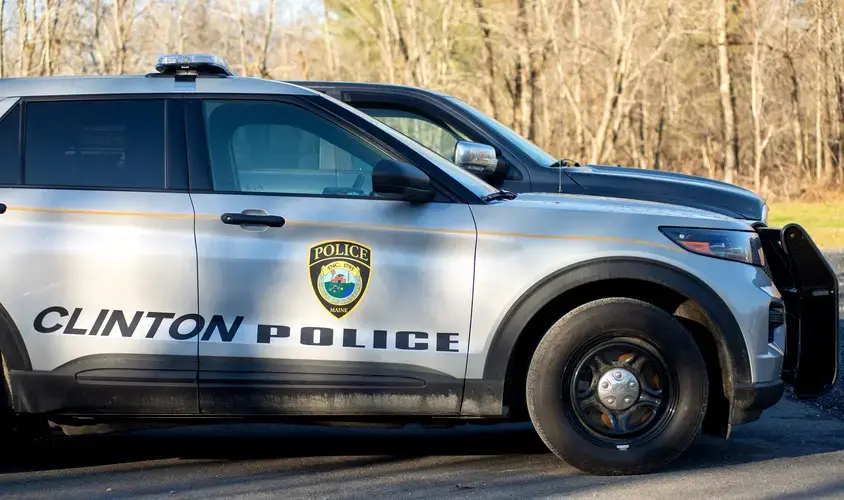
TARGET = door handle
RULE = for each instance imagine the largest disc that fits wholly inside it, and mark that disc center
(252, 219)
(2, 208)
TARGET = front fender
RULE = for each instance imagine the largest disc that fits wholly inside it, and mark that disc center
(499, 361)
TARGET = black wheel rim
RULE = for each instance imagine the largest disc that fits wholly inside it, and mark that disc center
(620, 391)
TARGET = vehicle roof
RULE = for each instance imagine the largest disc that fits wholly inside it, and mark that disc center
(366, 86)
(142, 84)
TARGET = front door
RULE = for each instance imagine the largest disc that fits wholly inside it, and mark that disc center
(325, 298)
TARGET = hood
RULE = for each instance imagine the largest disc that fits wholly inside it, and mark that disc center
(627, 207)
(669, 187)
(620, 215)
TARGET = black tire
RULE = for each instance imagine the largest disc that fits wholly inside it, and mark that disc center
(551, 388)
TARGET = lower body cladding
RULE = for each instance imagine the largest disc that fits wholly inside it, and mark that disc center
(149, 385)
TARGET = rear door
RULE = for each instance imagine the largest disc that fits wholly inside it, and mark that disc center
(328, 299)
(99, 261)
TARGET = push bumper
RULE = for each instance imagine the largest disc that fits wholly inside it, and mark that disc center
(809, 290)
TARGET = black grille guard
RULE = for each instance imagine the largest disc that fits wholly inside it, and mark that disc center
(809, 289)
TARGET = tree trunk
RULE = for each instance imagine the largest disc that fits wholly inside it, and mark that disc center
(98, 56)
(614, 86)
(2, 39)
(797, 127)
(660, 129)
(796, 115)
(327, 40)
(536, 59)
(523, 91)
(639, 137)
(268, 35)
(46, 49)
(728, 112)
(22, 38)
(489, 57)
(755, 100)
(388, 57)
(236, 10)
(820, 140)
(124, 17)
(839, 96)
(579, 136)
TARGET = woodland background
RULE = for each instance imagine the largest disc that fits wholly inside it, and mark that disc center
(747, 91)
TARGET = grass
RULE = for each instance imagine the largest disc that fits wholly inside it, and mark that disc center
(823, 221)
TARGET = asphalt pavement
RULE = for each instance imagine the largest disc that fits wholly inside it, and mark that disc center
(795, 451)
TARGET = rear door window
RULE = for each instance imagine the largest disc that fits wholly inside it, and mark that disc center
(111, 144)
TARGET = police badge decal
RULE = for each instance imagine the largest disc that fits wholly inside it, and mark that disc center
(339, 272)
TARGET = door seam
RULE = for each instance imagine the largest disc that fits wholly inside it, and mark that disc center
(471, 311)
(196, 266)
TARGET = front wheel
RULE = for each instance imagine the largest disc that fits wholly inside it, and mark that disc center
(617, 386)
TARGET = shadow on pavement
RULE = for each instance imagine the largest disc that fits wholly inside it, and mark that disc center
(774, 438)
(267, 441)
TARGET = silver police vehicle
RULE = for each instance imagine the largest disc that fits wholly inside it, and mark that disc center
(189, 246)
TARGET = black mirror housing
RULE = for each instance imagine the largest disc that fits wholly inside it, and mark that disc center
(401, 181)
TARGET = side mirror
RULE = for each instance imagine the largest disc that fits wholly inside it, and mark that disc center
(480, 160)
(401, 181)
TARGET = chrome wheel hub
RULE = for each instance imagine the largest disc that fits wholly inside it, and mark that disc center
(618, 389)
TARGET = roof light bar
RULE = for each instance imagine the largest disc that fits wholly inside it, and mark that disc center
(192, 64)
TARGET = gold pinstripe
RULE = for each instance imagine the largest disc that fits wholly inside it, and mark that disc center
(163, 215)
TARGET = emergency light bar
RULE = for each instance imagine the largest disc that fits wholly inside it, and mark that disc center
(192, 64)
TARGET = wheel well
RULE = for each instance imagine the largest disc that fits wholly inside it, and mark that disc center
(687, 311)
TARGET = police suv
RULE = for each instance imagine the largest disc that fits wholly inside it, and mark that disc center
(189, 246)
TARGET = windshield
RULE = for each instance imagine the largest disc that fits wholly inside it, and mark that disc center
(473, 183)
(529, 148)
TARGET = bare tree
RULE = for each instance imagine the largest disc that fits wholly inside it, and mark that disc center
(2, 38)
(756, 98)
(489, 55)
(728, 103)
(794, 94)
(580, 139)
(820, 139)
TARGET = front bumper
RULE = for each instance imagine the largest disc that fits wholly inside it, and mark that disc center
(749, 400)
(809, 290)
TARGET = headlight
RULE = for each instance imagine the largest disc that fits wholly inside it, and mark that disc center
(740, 246)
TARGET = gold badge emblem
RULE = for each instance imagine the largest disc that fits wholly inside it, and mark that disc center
(339, 272)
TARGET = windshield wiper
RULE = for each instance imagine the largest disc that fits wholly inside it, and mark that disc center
(563, 163)
(501, 194)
